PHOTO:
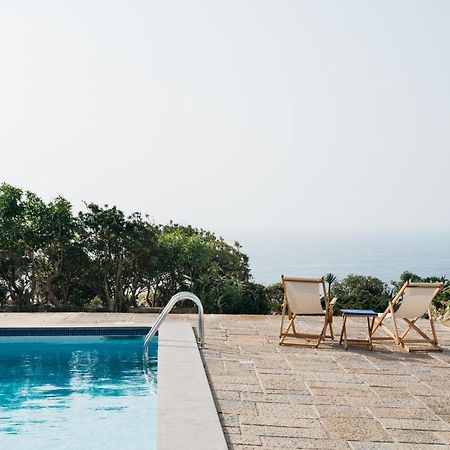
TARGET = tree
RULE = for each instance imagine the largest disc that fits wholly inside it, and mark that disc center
(21, 238)
(197, 260)
(120, 249)
(361, 292)
(40, 257)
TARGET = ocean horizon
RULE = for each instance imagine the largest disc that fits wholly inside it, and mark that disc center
(382, 256)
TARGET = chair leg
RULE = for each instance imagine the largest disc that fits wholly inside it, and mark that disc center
(397, 340)
(433, 329)
(369, 329)
(291, 323)
(283, 312)
(379, 323)
(323, 333)
(330, 323)
(426, 339)
(344, 332)
(293, 327)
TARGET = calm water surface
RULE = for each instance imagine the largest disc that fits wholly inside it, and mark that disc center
(61, 393)
(385, 257)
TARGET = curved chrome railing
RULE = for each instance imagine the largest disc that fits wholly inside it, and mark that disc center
(175, 299)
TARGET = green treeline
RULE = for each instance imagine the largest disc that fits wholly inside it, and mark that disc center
(365, 292)
(101, 259)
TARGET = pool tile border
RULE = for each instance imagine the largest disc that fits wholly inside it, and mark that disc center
(73, 331)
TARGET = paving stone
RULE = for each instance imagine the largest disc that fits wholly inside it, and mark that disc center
(416, 436)
(238, 367)
(260, 398)
(321, 400)
(391, 393)
(357, 385)
(274, 361)
(343, 411)
(403, 413)
(444, 417)
(390, 381)
(273, 431)
(235, 387)
(243, 439)
(330, 374)
(348, 392)
(232, 430)
(415, 424)
(275, 371)
(289, 443)
(243, 447)
(422, 446)
(243, 378)
(284, 381)
(242, 331)
(355, 429)
(297, 411)
(226, 395)
(445, 436)
(439, 405)
(280, 421)
(236, 407)
(229, 420)
(373, 445)
(407, 402)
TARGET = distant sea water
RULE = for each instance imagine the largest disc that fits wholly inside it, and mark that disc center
(382, 256)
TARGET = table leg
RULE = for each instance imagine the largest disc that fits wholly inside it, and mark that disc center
(345, 332)
(342, 330)
(370, 324)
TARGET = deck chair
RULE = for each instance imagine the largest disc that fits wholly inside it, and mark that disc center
(302, 298)
(410, 303)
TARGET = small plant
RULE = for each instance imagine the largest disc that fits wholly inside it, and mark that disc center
(330, 279)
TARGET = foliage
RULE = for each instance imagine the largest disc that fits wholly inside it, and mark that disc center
(361, 292)
(442, 300)
(329, 280)
(275, 295)
(103, 259)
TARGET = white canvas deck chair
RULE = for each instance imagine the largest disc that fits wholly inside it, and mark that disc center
(302, 298)
(410, 303)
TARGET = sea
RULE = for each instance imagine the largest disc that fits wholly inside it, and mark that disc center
(384, 256)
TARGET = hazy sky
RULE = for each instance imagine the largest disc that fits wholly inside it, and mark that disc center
(237, 116)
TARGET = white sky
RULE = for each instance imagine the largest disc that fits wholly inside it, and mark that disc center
(237, 116)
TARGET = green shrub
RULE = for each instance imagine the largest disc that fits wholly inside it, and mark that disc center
(275, 294)
(442, 300)
(361, 292)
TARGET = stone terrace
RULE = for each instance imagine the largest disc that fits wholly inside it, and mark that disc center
(272, 397)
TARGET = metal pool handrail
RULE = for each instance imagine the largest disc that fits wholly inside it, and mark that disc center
(175, 299)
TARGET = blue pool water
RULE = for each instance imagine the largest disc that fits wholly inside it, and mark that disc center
(77, 393)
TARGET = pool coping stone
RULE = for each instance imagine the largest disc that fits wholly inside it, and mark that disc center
(187, 415)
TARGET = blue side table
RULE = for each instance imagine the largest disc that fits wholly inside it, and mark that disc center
(369, 314)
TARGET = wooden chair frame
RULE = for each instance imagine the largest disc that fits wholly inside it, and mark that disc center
(328, 315)
(400, 338)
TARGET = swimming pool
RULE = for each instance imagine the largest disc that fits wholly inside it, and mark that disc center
(77, 392)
